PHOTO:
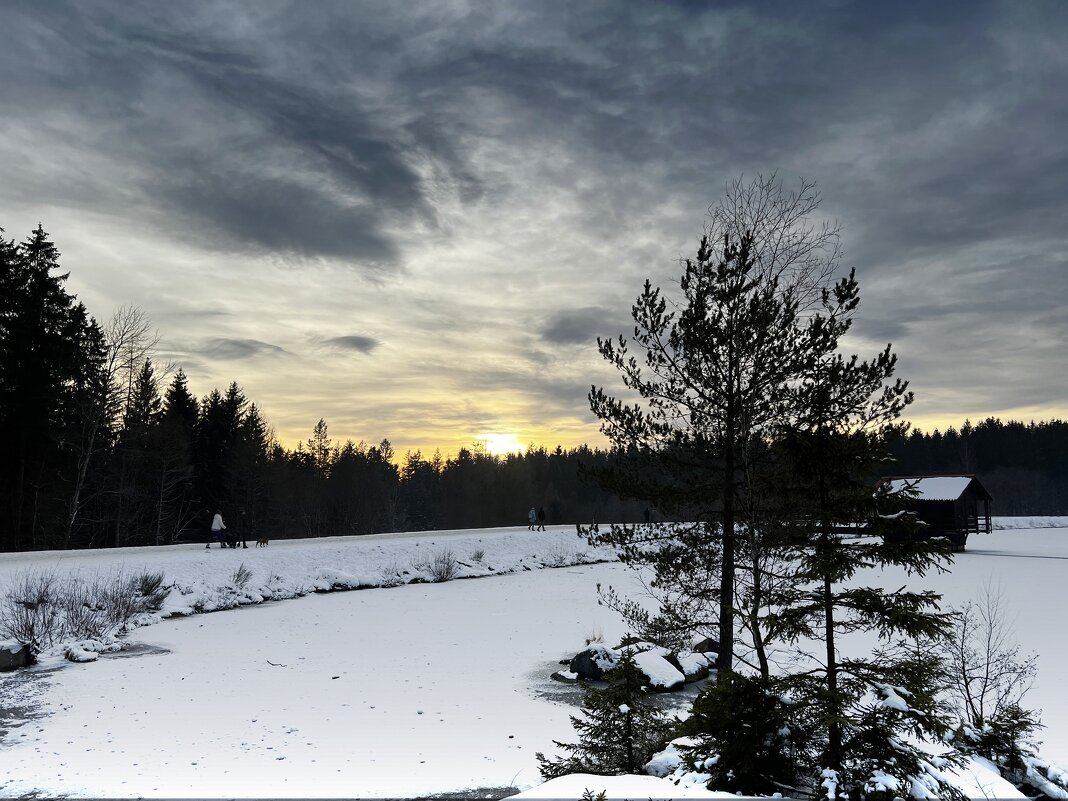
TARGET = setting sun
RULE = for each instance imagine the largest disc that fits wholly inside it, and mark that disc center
(502, 444)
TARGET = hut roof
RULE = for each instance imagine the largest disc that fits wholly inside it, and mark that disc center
(936, 488)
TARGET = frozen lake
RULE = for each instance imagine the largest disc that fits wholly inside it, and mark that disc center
(406, 691)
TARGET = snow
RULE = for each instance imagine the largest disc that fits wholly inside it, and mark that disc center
(933, 488)
(892, 697)
(691, 663)
(636, 788)
(662, 674)
(980, 779)
(416, 689)
(604, 657)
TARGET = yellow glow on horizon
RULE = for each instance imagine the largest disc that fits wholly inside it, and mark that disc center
(502, 444)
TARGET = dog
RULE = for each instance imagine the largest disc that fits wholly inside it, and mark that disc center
(262, 542)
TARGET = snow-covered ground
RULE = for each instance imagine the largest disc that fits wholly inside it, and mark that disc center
(395, 692)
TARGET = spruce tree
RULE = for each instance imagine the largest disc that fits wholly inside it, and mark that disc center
(619, 731)
(868, 710)
(50, 354)
(174, 494)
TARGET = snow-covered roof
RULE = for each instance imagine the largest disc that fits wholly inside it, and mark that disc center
(933, 488)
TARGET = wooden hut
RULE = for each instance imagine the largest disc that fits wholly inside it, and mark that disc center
(950, 506)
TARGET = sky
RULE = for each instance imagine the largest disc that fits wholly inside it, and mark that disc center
(413, 220)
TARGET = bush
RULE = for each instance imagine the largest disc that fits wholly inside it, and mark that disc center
(30, 613)
(84, 615)
(121, 600)
(41, 610)
(150, 588)
(392, 575)
(241, 576)
(443, 566)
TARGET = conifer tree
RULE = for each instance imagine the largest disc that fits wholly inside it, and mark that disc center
(713, 381)
(138, 453)
(619, 731)
(50, 352)
(834, 447)
(174, 493)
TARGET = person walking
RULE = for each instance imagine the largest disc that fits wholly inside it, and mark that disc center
(217, 529)
(541, 518)
(532, 518)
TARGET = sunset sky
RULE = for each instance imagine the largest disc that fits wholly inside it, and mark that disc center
(413, 219)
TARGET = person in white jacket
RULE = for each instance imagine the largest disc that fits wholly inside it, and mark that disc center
(217, 529)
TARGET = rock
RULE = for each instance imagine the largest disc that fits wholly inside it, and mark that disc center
(565, 676)
(663, 677)
(75, 653)
(707, 646)
(694, 667)
(673, 660)
(592, 663)
(14, 655)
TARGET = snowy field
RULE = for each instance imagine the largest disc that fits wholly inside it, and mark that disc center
(404, 691)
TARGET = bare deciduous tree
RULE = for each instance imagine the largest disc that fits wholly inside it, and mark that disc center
(130, 340)
(988, 674)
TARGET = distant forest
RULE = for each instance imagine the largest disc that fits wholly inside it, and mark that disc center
(102, 448)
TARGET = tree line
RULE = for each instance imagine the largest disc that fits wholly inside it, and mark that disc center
(104, 447)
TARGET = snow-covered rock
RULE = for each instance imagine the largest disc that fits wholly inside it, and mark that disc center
(14, 655)
(694, 666)
(592, 663)
(663, 676)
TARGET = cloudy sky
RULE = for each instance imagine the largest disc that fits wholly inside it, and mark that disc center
(413, 219)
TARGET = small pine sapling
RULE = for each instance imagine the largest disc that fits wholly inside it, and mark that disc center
(620, 729)
(748, 736)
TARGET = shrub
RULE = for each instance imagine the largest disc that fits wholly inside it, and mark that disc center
(150, 588)
(241, 576)
(121, 600)
(391, 575)
(84, 616)
(560, 556)
(30, 613)
(443, 566)
(40, 610)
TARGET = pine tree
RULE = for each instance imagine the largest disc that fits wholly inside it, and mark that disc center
(249, 464)
(713, 382)
(748, 736)
(619, 731)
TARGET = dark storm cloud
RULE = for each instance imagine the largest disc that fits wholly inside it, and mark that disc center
(355, 342)
(224, 348)
(238, 118)
(575, 326)
(250, 153)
